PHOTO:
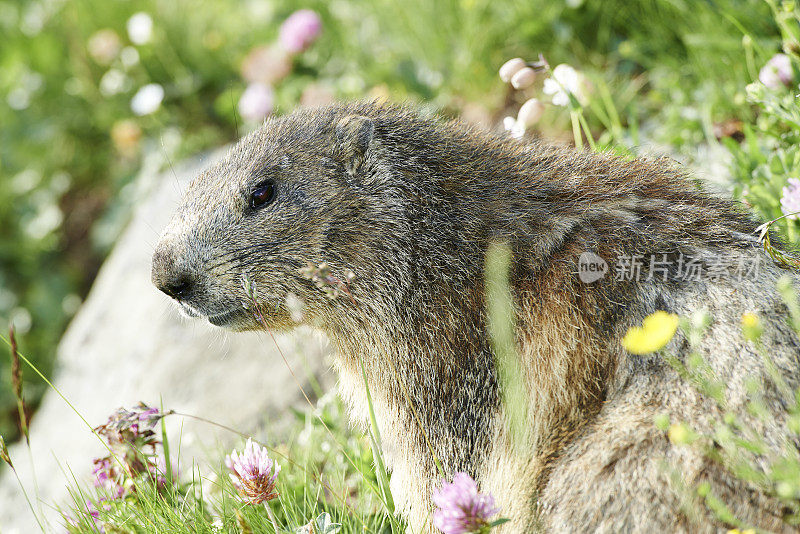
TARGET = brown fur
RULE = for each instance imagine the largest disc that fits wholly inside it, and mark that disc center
(410, 205)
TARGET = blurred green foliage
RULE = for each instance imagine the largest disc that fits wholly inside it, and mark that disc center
(71, 146)
(769, 155)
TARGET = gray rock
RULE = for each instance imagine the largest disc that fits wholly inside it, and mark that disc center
(126, 344)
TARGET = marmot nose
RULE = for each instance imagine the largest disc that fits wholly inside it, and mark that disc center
(178, 288)
(168, 276)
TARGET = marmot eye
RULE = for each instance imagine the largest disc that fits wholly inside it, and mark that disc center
(262, 195)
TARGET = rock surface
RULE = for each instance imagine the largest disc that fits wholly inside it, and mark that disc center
(127, 344)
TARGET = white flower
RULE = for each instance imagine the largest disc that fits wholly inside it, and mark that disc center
(563, 81)
(104, 46)
(530, 112)
(140, 28)
(48, 218)
(21, 319)
(514, 127)
(129, 57)
(147, 99)
(256, 102)
(18, 98)
(113, 82)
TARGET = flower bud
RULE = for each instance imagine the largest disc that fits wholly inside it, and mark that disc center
(4, 453)
(530, 112)
(510, 68)
(754, 91)
(523, 78)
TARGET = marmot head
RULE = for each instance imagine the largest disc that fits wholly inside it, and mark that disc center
(293, 193)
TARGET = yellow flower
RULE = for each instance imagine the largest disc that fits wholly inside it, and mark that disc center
(749, 320)
(751, 326)
(679, 434)
(655, 332)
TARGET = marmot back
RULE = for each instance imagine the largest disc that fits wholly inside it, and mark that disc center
(410, 204)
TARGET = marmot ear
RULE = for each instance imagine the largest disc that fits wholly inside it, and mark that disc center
(354, 133)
